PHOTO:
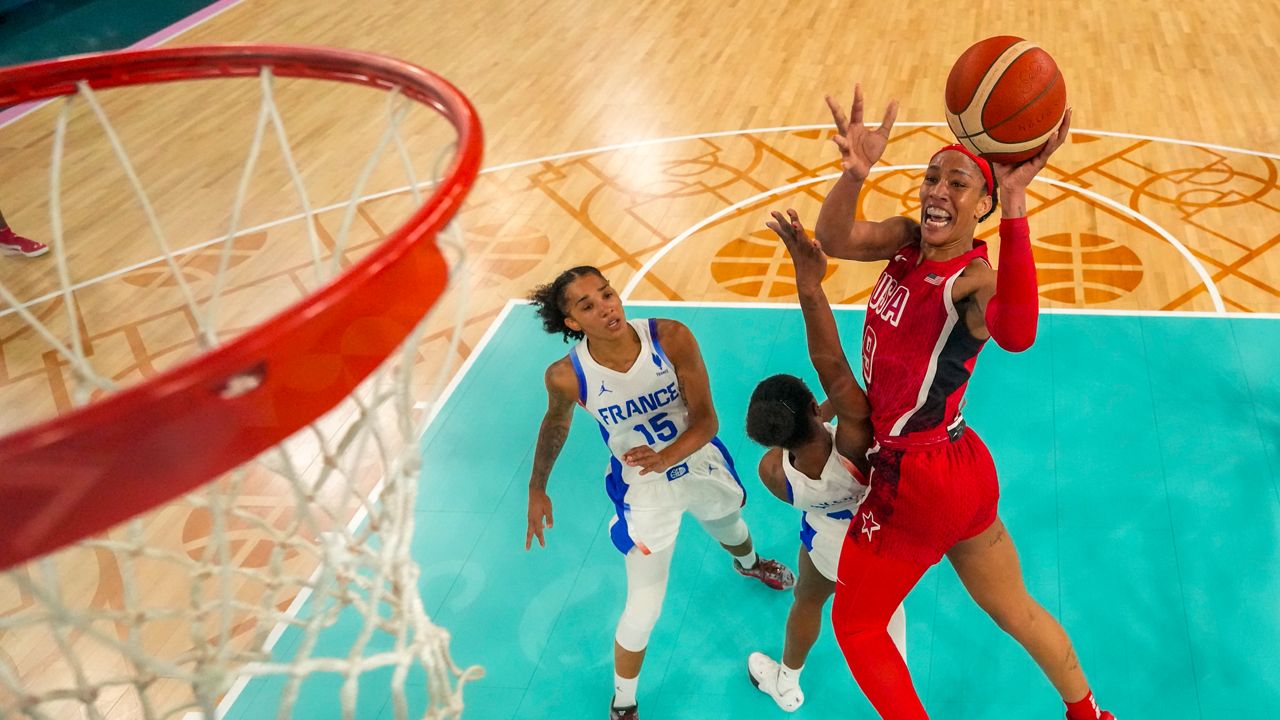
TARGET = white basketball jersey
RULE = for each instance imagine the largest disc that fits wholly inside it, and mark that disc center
(642, 406)
(838, 489)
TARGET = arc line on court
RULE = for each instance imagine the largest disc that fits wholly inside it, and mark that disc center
(1196, 265)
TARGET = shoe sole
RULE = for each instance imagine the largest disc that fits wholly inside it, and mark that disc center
(37, 253)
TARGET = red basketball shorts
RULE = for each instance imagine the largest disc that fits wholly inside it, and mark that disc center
(925, 499)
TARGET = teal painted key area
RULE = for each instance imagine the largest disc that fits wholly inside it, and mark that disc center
(1140, 471)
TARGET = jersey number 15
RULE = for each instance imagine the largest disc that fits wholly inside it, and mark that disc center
(663, 429)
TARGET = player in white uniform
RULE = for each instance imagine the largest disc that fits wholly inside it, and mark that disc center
(644, 382)
(820, 469)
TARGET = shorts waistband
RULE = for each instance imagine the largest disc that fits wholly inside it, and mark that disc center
(924, 438)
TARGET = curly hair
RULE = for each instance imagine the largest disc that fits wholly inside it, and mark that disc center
(777, 415)
(549, 299)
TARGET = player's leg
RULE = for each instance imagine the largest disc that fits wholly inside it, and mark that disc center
(732, 534)
(988, 566)
(781, 681)
(870, 590)
(646, 587)
(714, 496)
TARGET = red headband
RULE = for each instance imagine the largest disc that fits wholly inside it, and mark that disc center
(983, 165)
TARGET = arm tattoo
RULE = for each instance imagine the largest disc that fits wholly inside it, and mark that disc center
(551, 438)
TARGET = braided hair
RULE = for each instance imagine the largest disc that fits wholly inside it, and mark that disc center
(778, 414)
(549, 299)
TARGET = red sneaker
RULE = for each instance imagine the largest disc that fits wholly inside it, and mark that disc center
(13, 244)
(1102, 715)
(770, 572)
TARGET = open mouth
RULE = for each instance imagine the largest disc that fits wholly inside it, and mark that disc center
(614, 324)
(936, 217)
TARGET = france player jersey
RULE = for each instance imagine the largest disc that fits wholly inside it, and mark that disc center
(642, 406)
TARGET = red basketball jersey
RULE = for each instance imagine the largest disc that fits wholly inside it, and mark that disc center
(917, 353)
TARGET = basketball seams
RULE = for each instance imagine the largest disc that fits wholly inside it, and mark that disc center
(972, 113)
(1004, 78)
(1057, 78)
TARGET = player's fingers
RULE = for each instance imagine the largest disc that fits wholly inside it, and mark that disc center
(842, 123)
(855, 114)
(1064, 128)
(890, 116)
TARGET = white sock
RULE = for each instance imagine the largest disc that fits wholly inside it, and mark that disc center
(747, 561)
(788, 678)
(624, 691)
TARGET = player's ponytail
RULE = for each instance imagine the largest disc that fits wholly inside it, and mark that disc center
(778, 415)
(549, 299)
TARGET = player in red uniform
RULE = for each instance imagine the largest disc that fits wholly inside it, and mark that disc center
(933, 482)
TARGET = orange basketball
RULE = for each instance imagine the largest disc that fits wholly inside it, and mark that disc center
(1005, 97)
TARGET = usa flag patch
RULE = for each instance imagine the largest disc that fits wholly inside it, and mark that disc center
(933, 279)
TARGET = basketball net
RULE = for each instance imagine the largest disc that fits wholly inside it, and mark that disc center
(282, 581)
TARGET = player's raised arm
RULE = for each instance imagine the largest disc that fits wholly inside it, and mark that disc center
(825, 352)
(562, 391)
(838, 231)
(1008, 299)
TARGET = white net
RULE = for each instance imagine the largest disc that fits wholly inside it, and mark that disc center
(286, 588)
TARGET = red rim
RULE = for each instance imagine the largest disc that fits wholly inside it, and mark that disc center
(82, 472)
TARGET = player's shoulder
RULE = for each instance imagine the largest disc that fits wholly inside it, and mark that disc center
(561, 377)
(673, 334)
(772, 474)
(667, 326)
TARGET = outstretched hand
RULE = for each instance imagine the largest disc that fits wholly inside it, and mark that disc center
(1019, 176)
(860, 147)
(806, 254)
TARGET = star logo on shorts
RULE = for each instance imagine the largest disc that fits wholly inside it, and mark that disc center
(869, 524)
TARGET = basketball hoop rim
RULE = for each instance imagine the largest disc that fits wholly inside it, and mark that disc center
(58, 465)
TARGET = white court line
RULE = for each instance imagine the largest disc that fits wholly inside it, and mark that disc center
(1214, 295)
(242, 681)
(1196, 265)
(744, 305)
(591, 151)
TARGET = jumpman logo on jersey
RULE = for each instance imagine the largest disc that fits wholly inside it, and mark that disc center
(869, 524)
(603, 390)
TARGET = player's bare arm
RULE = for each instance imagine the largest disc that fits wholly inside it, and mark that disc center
(837, 230)
(691, 373)
(562, 389)
(853, 433)
(772, 474)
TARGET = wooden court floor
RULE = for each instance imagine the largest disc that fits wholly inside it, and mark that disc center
(651, 139)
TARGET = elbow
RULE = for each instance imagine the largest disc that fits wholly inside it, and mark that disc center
(1016, 341)
(823, 236)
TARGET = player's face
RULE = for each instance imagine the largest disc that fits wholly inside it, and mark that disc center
(592, 306)
(952, 198)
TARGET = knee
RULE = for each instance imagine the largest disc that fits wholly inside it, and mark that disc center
(637, 622)
(730, 530)
(850, 627)
(1014, 616)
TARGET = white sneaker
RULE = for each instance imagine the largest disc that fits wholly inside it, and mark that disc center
(763, 671)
